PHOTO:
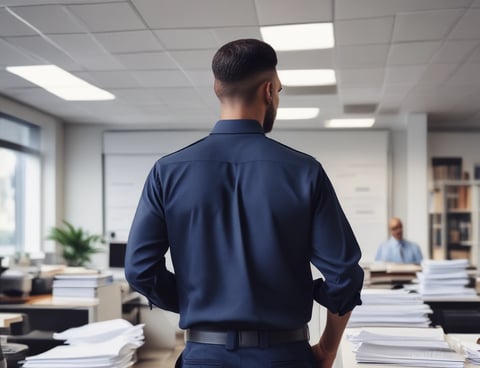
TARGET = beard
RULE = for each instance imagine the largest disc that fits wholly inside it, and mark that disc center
(269, 119)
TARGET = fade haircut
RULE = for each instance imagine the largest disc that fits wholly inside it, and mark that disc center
(241, 66)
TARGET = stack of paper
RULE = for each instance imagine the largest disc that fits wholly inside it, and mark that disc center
(468, 345)
(97, 345)
(384, 307)
(79, 285)
(417, 348)
(445, 279)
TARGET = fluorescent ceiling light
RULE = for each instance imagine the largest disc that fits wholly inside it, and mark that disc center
(307, 77)
(350, 123)
(299, 36)
(61, 83)
(297, 113)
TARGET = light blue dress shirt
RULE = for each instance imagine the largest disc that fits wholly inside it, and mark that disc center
(399, 251)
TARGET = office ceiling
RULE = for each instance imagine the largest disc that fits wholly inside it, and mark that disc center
(390, 57)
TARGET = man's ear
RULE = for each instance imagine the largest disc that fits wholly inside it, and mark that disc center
(268, 92)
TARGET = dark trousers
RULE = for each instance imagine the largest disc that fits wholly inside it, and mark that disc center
(292, 355)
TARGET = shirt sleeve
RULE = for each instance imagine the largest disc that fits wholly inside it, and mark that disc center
(336, 252)
(379, 255)
(145, 268)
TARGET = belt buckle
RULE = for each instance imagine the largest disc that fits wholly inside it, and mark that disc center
(248, 338)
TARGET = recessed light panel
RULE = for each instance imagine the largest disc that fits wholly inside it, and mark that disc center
(297, 113)
(60, 83)
(291, 37)
(350, 123)
(307, 77)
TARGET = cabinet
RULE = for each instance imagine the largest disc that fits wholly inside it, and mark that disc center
(455, 220)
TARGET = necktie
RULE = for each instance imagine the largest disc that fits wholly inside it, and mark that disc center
(401, 251)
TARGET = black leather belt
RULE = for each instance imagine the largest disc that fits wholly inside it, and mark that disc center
(248, 338)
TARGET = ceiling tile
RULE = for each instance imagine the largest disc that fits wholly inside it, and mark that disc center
(41, 18)
(86, 51)
(130, 41)
(467, 27)
(308, 59)
(110, 79)
(363, 31)
(351, 9)
(203, 78)
(419, 26)
(180, 39)
(194, 59)
(43, 50)
(180, 97)
(11, 26)
(137, 96)
(404, 74)
(475, 58)
(360, 77)
(437, 74)
(227, 34)
(192, 14)
(393, 95)
(412, 53)
(455, 51)
(45, 2)
(360, 95)
(361, 56)
(161, 78)
(146, 60)
(108, 17)
(467, 74)
(273, 12)
(12, 56)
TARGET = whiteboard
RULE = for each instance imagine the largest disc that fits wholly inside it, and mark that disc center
(357, 165)
(128, 157)
(356, 162)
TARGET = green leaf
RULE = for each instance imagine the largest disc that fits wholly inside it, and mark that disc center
(77, 244)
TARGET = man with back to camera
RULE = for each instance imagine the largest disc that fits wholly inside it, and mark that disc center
(397, 249)
(244, 216)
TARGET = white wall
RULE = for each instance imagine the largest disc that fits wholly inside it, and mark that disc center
(416, 223)
(465, 145)
(398, 174)
(52, 163)
(83, 180)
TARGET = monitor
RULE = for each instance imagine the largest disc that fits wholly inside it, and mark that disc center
(116, 255)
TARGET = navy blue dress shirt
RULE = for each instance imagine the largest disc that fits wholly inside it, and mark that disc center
(243, 216)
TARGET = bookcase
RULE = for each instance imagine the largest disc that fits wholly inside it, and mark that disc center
(454, 216)
(455, 219)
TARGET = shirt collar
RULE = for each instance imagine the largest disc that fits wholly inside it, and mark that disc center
(237, 127)
(396, 241)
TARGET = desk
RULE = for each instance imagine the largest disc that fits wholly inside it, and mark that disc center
(460, 315)
(49, 314)
(346, 357)
(6, 319)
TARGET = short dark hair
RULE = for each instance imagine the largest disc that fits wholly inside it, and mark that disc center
(241, 59)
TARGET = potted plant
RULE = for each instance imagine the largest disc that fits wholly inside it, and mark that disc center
(77, 244)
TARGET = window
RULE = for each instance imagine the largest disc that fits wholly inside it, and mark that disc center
(20, 188)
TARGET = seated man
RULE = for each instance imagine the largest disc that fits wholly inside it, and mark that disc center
(396, 249)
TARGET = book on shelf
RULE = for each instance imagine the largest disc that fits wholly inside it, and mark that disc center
(447, 168)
